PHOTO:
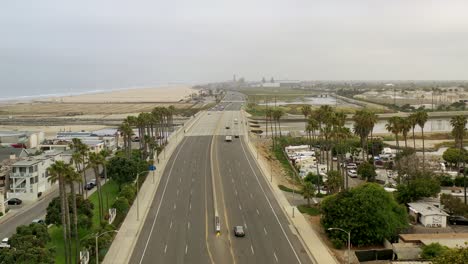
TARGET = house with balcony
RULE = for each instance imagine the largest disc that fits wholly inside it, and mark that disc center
(8, 156)
(29, 177)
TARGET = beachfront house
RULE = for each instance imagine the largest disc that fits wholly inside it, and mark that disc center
(29, 177)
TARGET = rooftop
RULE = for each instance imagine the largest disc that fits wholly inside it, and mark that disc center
(447, 239)
(426, 209)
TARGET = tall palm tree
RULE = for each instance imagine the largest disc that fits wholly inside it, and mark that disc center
(362, 128)
(421, 119)
(105, 154)
(71, 176)
(459, 131)
(277, 114)
(372, 119)
(405, 126)
(312, 126)
(95, 160)
(57, 172)
(393, 126)
(306, 110)
(413, 121)
(127, 132)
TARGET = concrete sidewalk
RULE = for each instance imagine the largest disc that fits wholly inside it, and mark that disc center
(318, 251)
(122, 247)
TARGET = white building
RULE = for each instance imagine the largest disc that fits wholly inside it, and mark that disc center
(427, 214)
(29, 177)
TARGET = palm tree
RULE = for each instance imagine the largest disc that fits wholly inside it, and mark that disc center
(312, 126)
(362, 128)
(57, 172)
(421, 119)
(405, 126)
(277, 114)
(458, 131)
(306, 110)
(127, 132)
(372, 119)
(308, 191)
(393, 126)
(95, 160)
(71, 176)
(105, 154)
(413, 121)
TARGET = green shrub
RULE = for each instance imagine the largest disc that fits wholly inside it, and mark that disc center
(303, 208)
(337, 243)
(128, 191)
(432, 250)
(121, 205)
(459, 181)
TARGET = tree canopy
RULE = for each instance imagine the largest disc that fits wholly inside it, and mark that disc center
(369, 212)
(416, 187)
(84, 211)
(452, 256)
(28, 245)
(367, 171)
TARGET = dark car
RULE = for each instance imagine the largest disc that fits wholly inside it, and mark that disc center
(227, 127)
(89, 186)
(458, 220)
(14, 201)
(239, 231)
(236, 136)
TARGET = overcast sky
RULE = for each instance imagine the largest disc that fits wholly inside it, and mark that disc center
(101, 44)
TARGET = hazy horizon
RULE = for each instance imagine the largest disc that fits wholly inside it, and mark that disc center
(60, 47)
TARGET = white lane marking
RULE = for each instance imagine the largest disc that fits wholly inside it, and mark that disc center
(235, 191)
(190, 206)
(170, 226)
(160, 202)
(264, 230)
(177, 192)
(276, 258)
(257, 211)
(191, 191)
(251, 196)
(246, 183)
(251, 248)
(180, 180)
(165, 249)
(271, 206)
(245, 224)
(186, 248)
(175, 206)
(240, 207)
(188, 225)
(232, 180)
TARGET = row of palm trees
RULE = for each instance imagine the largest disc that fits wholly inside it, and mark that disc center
(273, 116)
(153, 129)
(70, 174)
(403, 125)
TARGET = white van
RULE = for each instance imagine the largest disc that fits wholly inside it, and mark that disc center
(228, 138)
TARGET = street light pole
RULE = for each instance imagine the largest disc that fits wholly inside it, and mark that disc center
(349, 240)
(97, 244)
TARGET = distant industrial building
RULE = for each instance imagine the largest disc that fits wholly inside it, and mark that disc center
(21, 139)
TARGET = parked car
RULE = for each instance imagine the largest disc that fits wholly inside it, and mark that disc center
(239, 231)
(352, 173)
(38, 221)
(88, 186)
(5, 243)
(458, 220)
(227, 127)
(14, 201)
(351, 166)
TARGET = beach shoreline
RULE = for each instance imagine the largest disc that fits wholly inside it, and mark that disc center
(166, 93)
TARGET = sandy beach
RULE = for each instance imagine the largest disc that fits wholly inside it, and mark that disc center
(157, 94)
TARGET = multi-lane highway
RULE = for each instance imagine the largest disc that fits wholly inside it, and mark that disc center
(207, 176)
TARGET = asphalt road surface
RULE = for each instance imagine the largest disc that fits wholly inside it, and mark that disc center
(179, 227)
